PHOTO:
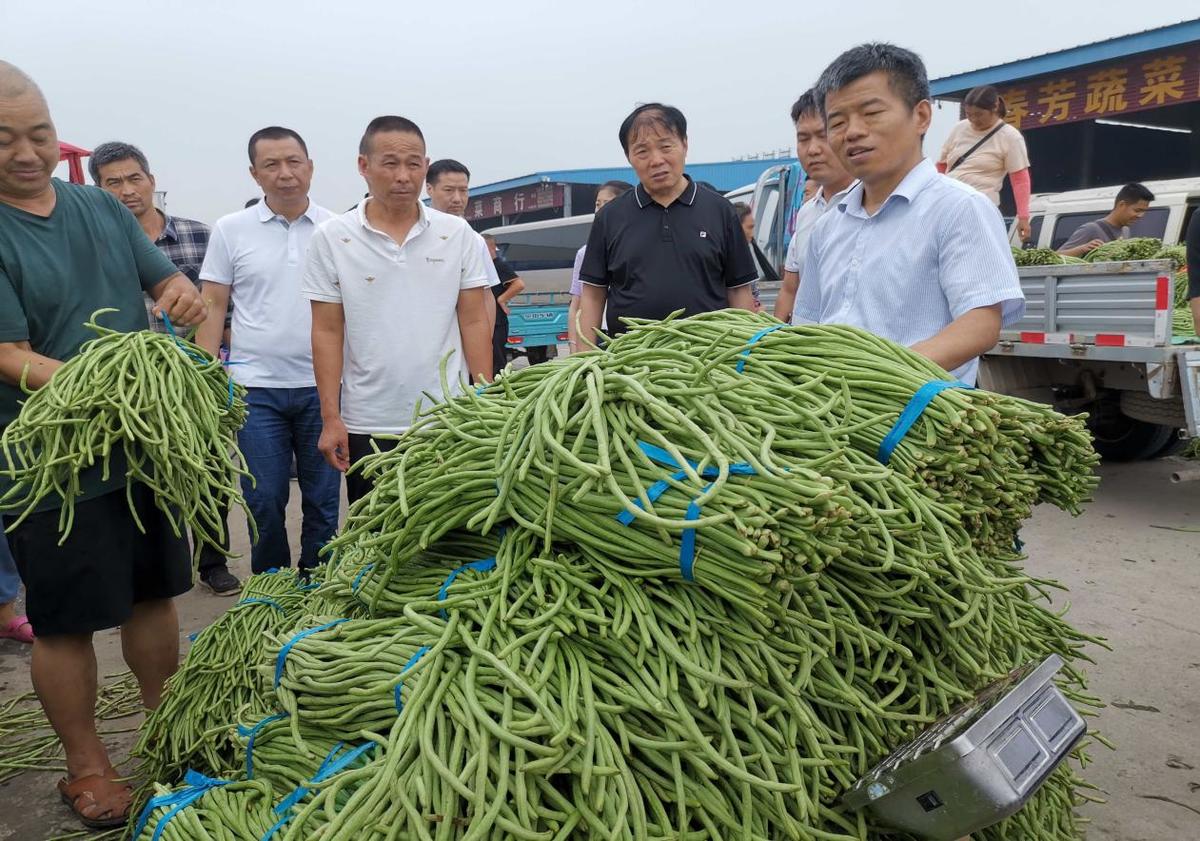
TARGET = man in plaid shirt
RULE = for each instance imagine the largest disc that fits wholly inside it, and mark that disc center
(122, 169)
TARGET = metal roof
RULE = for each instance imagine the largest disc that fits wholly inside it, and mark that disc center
(723, 175)
(1124, 45)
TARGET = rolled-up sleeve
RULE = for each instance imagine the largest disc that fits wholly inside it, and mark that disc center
(976, 267)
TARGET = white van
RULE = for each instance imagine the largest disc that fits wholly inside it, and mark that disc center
(1053, 217)
(543, 253)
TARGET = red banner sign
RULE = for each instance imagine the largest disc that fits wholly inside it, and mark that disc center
(512, 202)
(1153, 80)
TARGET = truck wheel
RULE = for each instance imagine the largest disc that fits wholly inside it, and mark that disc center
(1176, 445)
(1121, 438)
(536, 355)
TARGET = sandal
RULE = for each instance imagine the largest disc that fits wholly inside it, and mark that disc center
(17, 629)
(100, 801)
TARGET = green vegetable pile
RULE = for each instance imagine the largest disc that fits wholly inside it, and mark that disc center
(662, 591)
(160, 409)
(1119, 250)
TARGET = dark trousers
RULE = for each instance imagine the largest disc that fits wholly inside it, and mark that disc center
(499, 341)
(360, 445)
(283, 422)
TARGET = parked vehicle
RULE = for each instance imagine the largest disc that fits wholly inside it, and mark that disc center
(1054, 217)
(1098, 338)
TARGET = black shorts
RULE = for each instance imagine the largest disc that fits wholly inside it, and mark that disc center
(104, 568)
(360, 445)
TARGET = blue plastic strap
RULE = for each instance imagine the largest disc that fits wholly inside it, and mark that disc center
(745, 355)
(197, 786)
(664, 458)
(328, 768)
(486, 565)
(283, 652)
(687, 544)
(256, 600)
(195, 357)
(412, 661)
(252, 732)
(653, 492)
(358, 578)
(912, 413)
(192, 636)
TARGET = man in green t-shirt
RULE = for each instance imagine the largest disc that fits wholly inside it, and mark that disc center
(65, 252)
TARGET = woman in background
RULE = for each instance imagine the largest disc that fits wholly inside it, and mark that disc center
(982, 149)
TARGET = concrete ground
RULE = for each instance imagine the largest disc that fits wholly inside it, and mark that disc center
(1132, 578)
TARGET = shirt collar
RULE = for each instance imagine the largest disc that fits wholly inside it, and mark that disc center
(918, 178)
(422, 220)
(266, 214)
(168, 232)
(688, 197)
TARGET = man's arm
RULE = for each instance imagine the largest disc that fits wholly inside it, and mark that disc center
(572, 317)
(216, 296)
(178, 298)
(476, 335)
(966, 337)
(328, 338)
(786, 301)
(591, 314)
(514, 288)
(18, 357)
(741, 297)
(1080, 250)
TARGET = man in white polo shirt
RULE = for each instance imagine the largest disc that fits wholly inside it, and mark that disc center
(395, 287)
(257, 257)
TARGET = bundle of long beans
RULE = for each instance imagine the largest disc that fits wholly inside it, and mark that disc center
(163, 404)
(650, 593)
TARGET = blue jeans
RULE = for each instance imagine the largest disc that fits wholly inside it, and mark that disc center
(282, 422)
(10, 582)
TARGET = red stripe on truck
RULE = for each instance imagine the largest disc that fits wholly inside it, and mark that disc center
(1034, 338)
(1162, 300)
(1110, 339)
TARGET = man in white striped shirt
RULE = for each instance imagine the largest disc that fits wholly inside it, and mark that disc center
(907, 254)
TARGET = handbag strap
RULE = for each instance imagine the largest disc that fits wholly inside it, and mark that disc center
(972, 150)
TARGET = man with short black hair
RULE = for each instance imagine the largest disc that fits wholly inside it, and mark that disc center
(122, 170)
(256, 259)
(908, 254)
(833, 182)
(448, 183)
(1131, 204)
(396, 288)
(667, 244)
(66, 251)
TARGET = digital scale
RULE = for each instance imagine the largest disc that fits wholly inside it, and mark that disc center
(979, 764)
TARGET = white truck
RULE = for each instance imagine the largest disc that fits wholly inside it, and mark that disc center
(1095, 338)
(1098, 338)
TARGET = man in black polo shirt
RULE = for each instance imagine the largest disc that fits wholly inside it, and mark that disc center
(667, 244)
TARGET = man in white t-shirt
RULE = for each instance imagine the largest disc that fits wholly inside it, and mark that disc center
(448, 183)
(833, 182)
(256, 258)
(395, 289)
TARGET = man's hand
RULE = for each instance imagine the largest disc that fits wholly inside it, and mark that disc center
(334, 443)
(504, 306)
(178, 298)
(1024, 230)
(1080, 250)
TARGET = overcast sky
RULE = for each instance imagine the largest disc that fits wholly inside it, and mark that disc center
(508, 87)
